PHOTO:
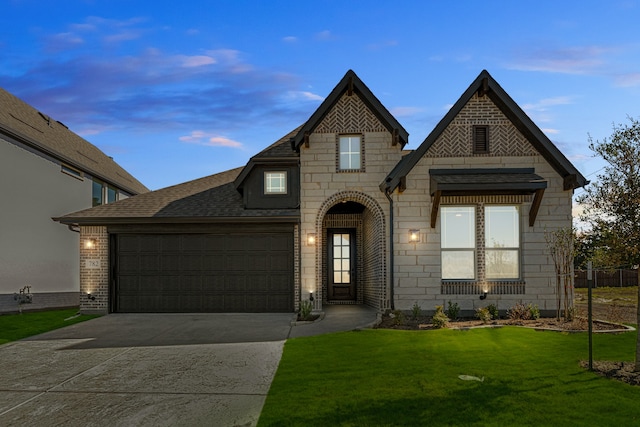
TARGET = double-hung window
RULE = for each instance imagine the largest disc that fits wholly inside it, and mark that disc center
(502, 242)
(458, 242)
(350, 152)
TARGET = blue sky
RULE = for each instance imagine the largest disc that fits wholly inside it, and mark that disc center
(179, 90)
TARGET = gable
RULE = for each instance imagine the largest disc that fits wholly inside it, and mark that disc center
(350, 115)
(504, 138)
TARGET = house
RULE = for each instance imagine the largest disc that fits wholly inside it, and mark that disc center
(337, 212)
(45, 171)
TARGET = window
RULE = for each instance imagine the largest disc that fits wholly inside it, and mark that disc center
(498, 235)
(349, 152)
(502, 242)
(481, 139)
(97, 195)
(275, 183)
(72, 172)
(458, 242)
(102, 193)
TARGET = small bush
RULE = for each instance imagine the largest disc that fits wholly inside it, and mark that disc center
(493, 311)
(398, 317)
(440, 319)
(416, 311)
(483, 314)
(521, 311)
(452, 310)
(305, 309)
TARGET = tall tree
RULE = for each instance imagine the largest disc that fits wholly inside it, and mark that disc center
(612, 203)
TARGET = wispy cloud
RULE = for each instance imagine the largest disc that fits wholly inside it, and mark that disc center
(627, 80)
(211, 140)
(325, 35)
(405, 111)
(567, 60)
(290, 39)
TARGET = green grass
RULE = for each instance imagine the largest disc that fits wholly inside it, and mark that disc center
(410, 378)
(15, 327)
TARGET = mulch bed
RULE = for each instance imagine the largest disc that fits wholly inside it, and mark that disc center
(621, 371)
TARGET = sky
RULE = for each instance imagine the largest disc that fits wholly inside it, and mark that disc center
(175, 91)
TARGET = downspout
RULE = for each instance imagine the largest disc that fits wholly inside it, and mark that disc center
(391, 296)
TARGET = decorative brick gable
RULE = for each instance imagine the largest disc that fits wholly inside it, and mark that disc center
(349, 115)
(504, 138)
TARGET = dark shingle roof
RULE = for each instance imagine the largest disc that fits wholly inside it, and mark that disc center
(209, 199)
(282, 147)
(22, 122)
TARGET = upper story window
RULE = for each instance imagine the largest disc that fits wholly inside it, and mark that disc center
(350, 153)
(481, 139)
(72, 172)
(275, 182)
(102, 193)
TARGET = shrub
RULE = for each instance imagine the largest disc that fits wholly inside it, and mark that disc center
(452, 310)
(483, 314)
(398, 317)
(416, 310)
(493, 311)
(305, 309)
(440, 319)
(521, 311)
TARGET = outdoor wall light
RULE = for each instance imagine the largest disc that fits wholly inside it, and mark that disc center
(484, 294)
(91, 297)
(311, 239)
(90, 243)
(311, 296)
(414, 236)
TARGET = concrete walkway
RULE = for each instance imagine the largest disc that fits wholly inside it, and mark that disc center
(154, 370)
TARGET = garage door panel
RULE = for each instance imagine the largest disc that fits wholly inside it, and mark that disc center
(204, 273)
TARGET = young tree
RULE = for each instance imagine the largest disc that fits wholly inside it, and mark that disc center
(612, 203)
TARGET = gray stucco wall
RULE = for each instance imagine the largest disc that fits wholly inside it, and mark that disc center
(35, 250)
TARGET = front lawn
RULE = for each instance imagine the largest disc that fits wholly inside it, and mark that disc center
(411, 378)
(15, 327)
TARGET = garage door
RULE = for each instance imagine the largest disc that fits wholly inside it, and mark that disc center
(206, 273)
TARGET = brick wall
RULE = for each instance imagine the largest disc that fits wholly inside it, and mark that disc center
(417, 267)
(323, 187)
(94, 269)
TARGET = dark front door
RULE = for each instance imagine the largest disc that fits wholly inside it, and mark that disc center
(342, 264)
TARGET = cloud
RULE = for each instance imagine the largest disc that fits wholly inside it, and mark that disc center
(540, 110)
(195, 60)
(325, 35)
(290, 39)
(302, 95)
(566, 60)
(550, 131)
(627, 80)
(210, 140)
(63, 41)
(405, 111)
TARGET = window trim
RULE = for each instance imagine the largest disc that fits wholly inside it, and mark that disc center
(71, 171)
(339, 152)
(285, 177)
(518, 248)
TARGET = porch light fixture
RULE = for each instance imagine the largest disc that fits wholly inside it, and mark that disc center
(311, 296)
(311, 239)
(484, 294)
(91, 297)
(414, 236)
(90, 243)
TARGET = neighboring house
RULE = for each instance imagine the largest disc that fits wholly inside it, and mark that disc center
(45, 171)
(338, 213)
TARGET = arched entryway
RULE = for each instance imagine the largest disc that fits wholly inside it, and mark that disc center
(351, 258)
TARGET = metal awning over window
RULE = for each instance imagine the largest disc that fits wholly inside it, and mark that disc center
(467, 182)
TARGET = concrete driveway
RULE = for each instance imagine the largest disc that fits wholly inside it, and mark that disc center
(153, 369)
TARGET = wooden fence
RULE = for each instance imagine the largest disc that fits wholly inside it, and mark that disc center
(609, 278)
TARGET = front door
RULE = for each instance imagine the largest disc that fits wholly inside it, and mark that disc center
(342, 264)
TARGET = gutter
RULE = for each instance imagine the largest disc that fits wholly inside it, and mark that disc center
(391, 258)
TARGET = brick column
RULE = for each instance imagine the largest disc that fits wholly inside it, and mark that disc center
(94, 270)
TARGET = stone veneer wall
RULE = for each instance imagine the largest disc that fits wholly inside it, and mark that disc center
(417, 273)
(94, 270)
